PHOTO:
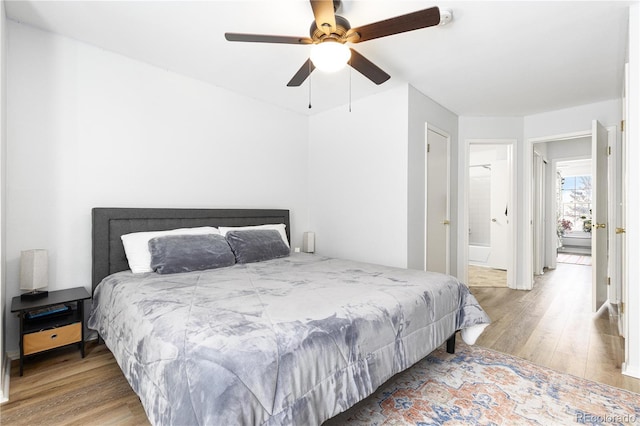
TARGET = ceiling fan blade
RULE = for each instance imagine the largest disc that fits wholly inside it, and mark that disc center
(262, 38)
(305, 70)
(324, 14)
(400, 24)
(367, 68)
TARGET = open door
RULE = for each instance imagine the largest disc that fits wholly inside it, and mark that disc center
(599, 197)
(499, 205)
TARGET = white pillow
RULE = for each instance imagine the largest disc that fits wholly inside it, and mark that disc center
(136, 245)
(280, 227)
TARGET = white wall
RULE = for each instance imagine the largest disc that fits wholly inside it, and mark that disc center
(358, 179)
(570, 149)
(489, 128)
(4, 375)
(367, 176)
(570, 120)
(422, 111)
(89, 128)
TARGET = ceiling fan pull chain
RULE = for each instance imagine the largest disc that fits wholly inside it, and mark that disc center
(309, 84)
(350, 70)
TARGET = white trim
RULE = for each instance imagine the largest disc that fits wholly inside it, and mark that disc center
(630, 371)
(561, 137)
(448, 207)
(613, 214)
(5, 370)
(539, 259)
(623, 278)
(632, 238)
(513, 214)
(553, 230)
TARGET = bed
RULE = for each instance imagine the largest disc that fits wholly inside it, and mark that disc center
(288, 341)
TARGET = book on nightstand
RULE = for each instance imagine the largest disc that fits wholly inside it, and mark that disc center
(48, 311)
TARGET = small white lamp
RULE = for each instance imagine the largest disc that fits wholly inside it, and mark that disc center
(34, 273)
(309, 242)
(330, 55)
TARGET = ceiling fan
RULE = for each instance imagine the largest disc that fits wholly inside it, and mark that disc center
(330, 33)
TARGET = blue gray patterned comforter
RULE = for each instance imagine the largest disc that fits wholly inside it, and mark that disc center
(291, 341)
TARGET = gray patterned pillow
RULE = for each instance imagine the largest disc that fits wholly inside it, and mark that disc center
(257, 245)
(171, 254)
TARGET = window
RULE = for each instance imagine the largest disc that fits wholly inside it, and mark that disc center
(576, 203)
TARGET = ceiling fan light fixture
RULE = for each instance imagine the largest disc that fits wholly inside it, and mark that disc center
(330, 55)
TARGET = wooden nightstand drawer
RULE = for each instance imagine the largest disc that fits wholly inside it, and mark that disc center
(53, 338)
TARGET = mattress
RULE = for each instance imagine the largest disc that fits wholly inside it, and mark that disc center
(287, 341)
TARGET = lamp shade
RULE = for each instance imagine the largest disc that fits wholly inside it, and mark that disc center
(330, 56)
(309, 242)
(34, 269)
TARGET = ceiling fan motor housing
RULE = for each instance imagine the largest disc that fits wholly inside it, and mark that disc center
(342, 26)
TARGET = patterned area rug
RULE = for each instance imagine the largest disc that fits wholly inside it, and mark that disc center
(477, 386)
(574, 258)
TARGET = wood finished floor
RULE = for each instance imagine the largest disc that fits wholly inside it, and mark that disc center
(479, 276)
(65, 389)
(552, 325)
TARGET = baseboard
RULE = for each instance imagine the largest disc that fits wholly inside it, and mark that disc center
(5, 370)
(629, 371)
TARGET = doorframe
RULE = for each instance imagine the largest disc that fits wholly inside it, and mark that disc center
(621, 241)
(529, 205)
(513, 216)
(447, 136)
(539, 237)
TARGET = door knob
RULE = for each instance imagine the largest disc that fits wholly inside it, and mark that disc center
(600, 225)
(494, 220)
(620, 230)
(446, 222)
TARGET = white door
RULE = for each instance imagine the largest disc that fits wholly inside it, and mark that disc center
(437, 200)
(498, 258)
(599, 198)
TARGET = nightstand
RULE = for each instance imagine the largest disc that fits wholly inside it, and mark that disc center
(54, 330)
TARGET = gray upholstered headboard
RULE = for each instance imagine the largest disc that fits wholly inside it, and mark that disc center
(109, 224)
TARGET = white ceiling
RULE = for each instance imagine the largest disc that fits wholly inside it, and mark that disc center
(502, 58)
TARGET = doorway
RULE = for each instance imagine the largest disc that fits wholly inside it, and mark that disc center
(488, 213)
(574, 211)
(570, 214)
